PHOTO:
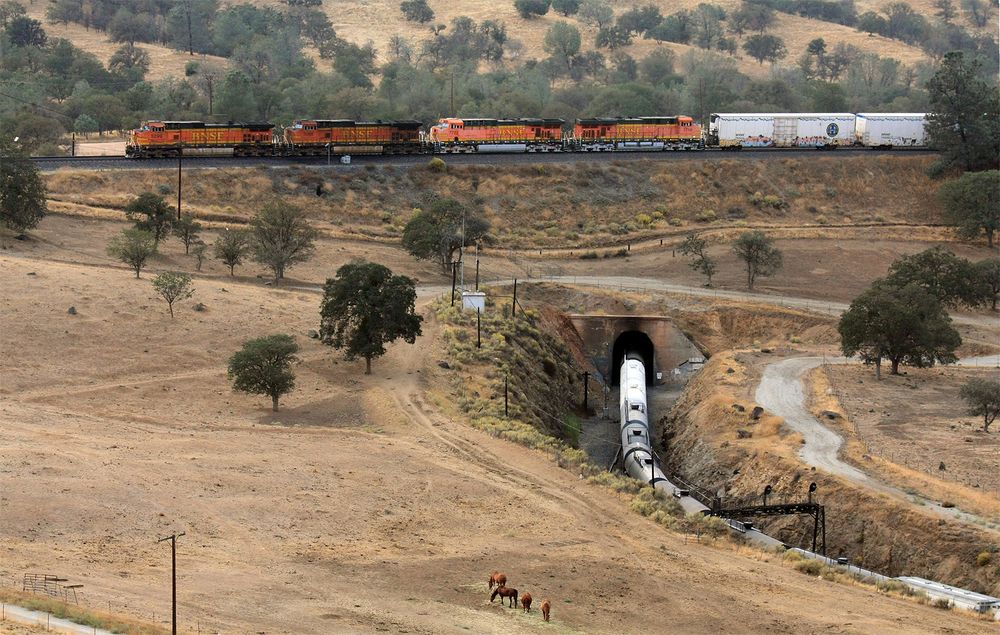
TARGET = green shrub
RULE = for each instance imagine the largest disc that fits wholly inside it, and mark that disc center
(810, 567)
(644, 219)
(707, 216)
(984, 558)
(675, 222)
(589, 255)
(437, 164)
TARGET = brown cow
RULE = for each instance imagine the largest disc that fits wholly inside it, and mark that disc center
(526, 602)
(545, 609)
(504, 592)
(497, 579)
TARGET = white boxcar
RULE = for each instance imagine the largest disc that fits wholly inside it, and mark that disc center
(781, 130)
(891, 130)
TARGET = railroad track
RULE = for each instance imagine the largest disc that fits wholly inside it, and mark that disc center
(208, 162)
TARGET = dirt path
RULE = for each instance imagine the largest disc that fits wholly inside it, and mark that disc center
(781, 392)
(51, 624)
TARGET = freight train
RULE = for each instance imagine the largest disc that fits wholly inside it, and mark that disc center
(317, 137)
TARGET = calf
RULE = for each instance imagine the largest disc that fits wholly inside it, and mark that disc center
(545, 609)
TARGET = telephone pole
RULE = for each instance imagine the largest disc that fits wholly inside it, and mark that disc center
(179, 182)
(173, 585)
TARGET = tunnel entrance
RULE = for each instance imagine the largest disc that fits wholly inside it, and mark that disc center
(633, 341)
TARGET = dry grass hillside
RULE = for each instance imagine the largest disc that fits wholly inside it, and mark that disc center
(711, 438)
(378, 20)
(577, 205)
(163, 61)
(361, 21)
(357, 508)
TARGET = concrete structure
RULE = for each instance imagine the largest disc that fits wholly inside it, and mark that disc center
(955, 596)
(663, 346)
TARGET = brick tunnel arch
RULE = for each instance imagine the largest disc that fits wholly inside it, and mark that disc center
(638, 342)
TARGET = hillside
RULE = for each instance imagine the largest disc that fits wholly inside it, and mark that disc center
(379, 20)
(613, 203)
(360, 507)
(361, 21)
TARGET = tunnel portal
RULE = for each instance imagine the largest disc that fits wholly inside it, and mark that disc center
(637, 342)
(664, 348)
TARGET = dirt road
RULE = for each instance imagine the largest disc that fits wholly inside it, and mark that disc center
(781, 392)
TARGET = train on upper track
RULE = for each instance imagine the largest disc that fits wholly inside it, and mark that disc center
(338, 137)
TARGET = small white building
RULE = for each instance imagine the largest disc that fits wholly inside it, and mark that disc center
(475, 300)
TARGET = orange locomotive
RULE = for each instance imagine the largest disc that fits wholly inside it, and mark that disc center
(503, 135)
(170, 138)
(317, 137)
(636, 133)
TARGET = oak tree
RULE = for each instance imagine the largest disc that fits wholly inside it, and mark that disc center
(263, 367)
(950, 279)
(151, 213)
(187, 229)
(983, 398)
(173, 286)
(757, 251)
(364, 308)
(697, 247)
(22, 192)
(972, 204)
(231, 247)
(133, 247)
(281, 237)
(963, 123)
(901, 324)
(437, 232)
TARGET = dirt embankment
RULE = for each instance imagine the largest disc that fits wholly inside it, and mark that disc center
(712, 437)
(571, 205)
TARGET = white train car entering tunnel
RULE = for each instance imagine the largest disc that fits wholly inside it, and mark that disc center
(636, 437)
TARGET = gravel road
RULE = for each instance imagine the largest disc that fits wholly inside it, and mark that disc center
(781, 392)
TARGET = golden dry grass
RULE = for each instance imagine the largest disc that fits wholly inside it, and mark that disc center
(163, 61)
(823, 396)
(612, 203)
(377, 21)
(891, 535)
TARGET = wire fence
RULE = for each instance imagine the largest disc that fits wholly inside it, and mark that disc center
(200, 625)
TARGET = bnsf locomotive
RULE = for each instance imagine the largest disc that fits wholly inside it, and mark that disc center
(317, 137)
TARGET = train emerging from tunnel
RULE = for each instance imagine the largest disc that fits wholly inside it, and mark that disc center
(636, 433)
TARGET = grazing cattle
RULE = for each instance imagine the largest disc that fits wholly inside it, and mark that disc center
(526, 602)
(497, 579)
(545, 609)
(504, 592)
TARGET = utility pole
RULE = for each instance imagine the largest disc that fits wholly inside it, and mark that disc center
(513, 304)
(173, 586)
(461, 253)
(454, 271)
(477, 266)
(479, 328)
(180, 152)
(505, 396)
